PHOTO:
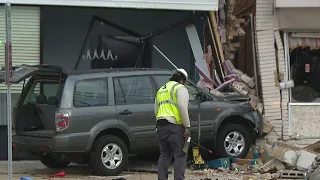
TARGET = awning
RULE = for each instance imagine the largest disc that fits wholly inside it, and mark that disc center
(299, 19)
(194, 5)
(296, 3)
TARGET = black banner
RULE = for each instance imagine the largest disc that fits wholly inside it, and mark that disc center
(114, 52)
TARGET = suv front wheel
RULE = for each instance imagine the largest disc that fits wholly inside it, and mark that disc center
(109, 156)
(234, 140)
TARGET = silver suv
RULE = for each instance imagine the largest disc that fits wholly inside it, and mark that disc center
(98, 117)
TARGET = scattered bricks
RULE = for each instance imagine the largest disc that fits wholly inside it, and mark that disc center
(244, 161)
(265, 153)
(234, 167)
(255, 170)
(243, 167)
(266, 176)
(249, 178)
(275, 175)
(273, 164)
(250, 154)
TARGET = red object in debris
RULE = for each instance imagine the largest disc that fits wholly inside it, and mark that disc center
(307, 68)
(60, 174)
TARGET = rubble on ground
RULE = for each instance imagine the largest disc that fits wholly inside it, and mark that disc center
(271, 160)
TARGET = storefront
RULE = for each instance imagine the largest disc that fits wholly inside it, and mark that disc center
(301, 28)
(53, 32)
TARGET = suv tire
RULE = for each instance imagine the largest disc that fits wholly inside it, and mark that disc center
(228, 132)
(116, 161)
(51, 162)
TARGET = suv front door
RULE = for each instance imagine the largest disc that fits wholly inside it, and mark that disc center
(207, 111)
(134, 100)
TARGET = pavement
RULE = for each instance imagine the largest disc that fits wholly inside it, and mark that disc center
(38, 171)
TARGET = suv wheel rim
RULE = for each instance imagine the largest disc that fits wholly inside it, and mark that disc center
(234, 143)
(111, 156)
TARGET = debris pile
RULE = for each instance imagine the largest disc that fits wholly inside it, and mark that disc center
(277, 160)
(219, 76)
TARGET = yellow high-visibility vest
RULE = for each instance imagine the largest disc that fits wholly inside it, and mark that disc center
(167, 101)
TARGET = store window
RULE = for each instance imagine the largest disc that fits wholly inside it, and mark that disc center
(305, 68)
(93, 92)
(133, 90)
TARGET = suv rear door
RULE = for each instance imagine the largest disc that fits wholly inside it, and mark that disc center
(134, 100)
(20, 73)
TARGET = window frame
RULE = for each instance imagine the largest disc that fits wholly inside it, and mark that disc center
(33, 86)
(132, 76)
(105, 79)
(189, 82)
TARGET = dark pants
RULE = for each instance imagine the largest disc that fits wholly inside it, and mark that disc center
(171, 141)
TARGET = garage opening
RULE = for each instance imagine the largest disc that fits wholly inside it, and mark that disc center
(94, 38)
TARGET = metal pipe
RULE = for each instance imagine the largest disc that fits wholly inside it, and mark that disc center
(165, 56)
(287, 60)
(199, 119)
(9, 78)
(254, 55)
(299, 137)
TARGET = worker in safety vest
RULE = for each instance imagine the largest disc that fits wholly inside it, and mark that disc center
(173, 124)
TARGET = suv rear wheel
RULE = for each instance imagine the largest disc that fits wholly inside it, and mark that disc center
(109, 156)
(234, 140)
(51, 162)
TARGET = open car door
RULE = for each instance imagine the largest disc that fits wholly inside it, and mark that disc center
(22, 72)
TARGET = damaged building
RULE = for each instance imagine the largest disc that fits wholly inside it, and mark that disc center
(264, 50)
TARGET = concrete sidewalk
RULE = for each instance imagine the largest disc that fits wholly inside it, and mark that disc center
(38, 171)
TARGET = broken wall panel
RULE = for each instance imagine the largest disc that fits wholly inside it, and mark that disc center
(266, 22)
(266, 16)
(284, 92)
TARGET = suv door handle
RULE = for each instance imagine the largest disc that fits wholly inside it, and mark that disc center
(125, 112)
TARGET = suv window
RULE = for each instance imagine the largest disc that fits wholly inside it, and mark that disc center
(133, 90)
(161, 79)
(193, 91)
(48, 95)
(91, 92)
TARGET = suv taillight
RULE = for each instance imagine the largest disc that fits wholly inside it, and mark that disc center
(62, 121)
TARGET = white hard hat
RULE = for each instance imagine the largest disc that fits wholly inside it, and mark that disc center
(182, 71)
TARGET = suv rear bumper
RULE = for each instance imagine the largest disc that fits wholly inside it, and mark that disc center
(77, 142)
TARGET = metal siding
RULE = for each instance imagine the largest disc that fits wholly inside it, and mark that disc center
(199, 5)
(25, 28)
